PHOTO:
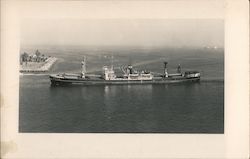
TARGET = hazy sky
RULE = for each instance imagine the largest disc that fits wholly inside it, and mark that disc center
(138, 32)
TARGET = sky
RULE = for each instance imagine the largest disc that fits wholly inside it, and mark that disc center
(124, 32)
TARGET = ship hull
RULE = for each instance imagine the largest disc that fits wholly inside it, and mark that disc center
(66, 81)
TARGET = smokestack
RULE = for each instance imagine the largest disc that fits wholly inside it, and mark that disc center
(130, 67)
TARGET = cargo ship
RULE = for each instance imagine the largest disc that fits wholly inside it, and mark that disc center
(130, 76)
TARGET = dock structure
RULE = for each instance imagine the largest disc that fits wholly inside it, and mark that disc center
(38, 67)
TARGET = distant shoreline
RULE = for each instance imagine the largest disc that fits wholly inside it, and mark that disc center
(44, 67)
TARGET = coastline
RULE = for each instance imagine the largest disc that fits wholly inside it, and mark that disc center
(43, 68)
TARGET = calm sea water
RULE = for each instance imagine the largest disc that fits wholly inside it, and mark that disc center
(169, 108)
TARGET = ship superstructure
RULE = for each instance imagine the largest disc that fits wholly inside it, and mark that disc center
(130, 76)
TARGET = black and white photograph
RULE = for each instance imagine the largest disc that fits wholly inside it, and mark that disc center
(122, 75)
(124, 79)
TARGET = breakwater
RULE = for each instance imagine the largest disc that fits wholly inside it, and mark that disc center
(38, 67)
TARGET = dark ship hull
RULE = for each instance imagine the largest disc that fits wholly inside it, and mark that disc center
(57, 80)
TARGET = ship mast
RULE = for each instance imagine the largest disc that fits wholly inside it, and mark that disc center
(165, 69)
(83, 67)
(112, 62)
(179, 68)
